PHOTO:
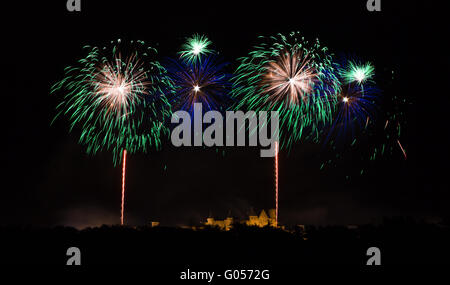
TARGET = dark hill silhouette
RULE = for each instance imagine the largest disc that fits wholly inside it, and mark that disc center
(400, 241)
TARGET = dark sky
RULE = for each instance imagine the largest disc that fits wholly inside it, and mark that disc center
(48, 179)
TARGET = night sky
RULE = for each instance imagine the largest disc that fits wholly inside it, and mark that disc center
(48, 179)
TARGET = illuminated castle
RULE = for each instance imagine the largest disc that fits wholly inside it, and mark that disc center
(262, 220)
(253, 220)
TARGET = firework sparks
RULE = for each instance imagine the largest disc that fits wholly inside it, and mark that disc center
(401, 147)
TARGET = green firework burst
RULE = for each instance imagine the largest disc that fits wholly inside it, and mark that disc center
(288, 74)
(194, 48)
(115, 97)
(355, 72)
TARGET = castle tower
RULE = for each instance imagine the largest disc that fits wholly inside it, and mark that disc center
(263, 219)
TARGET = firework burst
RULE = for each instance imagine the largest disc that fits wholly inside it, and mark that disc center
(117, 89)
(289, 78)
(195, 48)
(356, 108)
(290, 75)
(205, 82)
(354, 72)
(116, 97)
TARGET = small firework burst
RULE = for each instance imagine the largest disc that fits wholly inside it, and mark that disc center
(355, 72)
(194, 48)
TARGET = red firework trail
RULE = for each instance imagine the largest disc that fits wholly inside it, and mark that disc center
(276, 184)
(403, 150)
(124, 164)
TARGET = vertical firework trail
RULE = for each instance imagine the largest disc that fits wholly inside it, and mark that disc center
(276, 184)
(124, 167)
(296, 78)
